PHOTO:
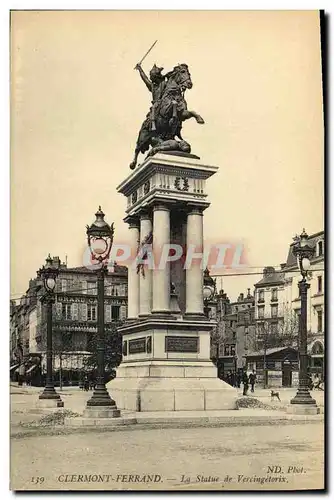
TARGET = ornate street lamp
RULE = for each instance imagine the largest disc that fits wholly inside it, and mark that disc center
(100, 239)
(48, 273)
(209, 288)
(304, 252)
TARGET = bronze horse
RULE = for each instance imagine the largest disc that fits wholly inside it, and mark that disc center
(171, 111)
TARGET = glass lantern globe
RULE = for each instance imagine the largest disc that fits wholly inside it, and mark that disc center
(207, 292)
(306, 264)
(50, 284)
(99, 246)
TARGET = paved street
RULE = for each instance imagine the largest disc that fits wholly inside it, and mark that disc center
(173, 454)
(181, 456)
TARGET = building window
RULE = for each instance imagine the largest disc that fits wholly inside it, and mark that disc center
(274, 311)
(319, 321)
(317, 348)
(115, 313)
(274, 328)
(64, 285)
(274, 294)
(91, 313)
(67, 341)
(319, 284)
(90, 342)
(261, 312)
(320, 248)
(261, 296)
(66, 311)
(229, 350)
(91, 288)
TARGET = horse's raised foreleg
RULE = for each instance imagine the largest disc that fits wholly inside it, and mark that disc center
(135, 158)
(191, 114)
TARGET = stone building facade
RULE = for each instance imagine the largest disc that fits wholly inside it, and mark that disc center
(277, 306)
(234, 332)
(74, 315)
(315, 298)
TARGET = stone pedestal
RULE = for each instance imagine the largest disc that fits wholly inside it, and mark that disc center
(296, 409)
(45, 406)
(101, 412)
(166, 350)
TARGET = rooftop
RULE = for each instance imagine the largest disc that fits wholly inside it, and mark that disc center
(313, 239)
(270, 277)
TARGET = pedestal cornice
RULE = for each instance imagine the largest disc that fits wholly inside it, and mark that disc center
(166, 164)
(168, 179)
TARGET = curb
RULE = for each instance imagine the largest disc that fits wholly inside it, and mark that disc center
(151, 423)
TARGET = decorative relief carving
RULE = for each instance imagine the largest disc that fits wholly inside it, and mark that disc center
(181, 184)
(149, 345)
(134, 197)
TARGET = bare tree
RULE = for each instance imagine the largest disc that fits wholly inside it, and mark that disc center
(274, 332)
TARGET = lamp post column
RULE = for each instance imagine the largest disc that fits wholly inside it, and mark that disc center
(49, 391)
(100, 395)
(303, 395)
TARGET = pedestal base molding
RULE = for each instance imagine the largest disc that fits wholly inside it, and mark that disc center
(299, 409)
(49, 403)
(171, 388)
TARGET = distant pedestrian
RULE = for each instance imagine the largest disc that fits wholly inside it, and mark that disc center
(317, 383)
(86, 383)
(238, 380)
(252, 380)
(245, 383)
(21, 377)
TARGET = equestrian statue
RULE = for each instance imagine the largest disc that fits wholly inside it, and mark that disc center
(162, 126)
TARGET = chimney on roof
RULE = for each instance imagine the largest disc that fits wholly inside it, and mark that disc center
(248, 293)
(56, 261)
(283, 265)
(268, 271)
(241, 297)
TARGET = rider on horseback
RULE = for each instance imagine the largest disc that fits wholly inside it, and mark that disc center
(156, 85)
(161, 130)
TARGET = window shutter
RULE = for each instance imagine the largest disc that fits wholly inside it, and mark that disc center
(75, 312)
(82, 312)
(123, 312)
(107, 313)
(58, 310)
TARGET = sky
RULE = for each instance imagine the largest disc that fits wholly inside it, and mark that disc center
(77, 105)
